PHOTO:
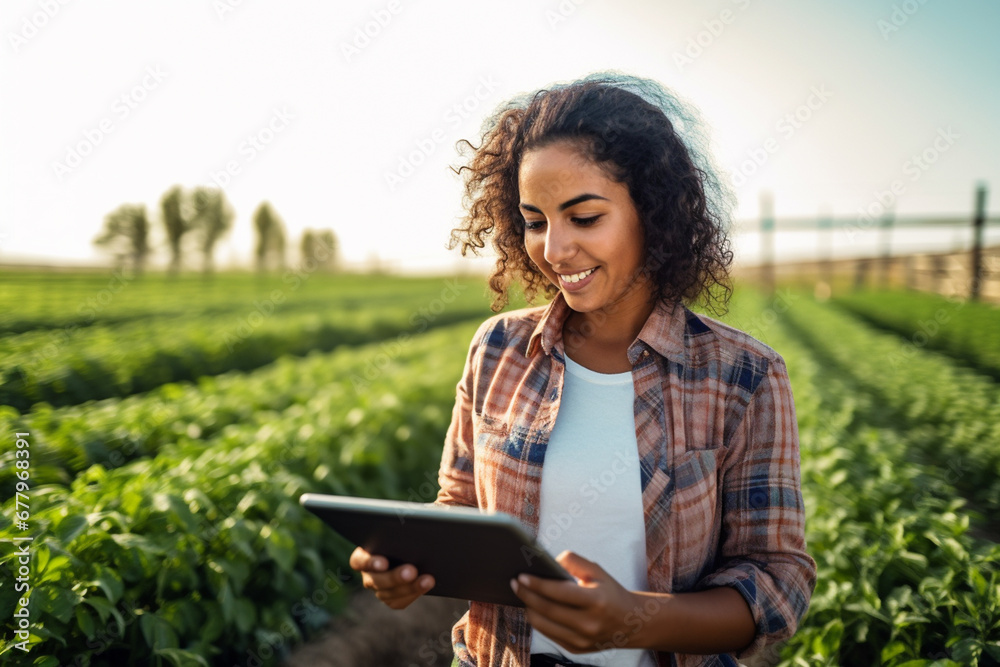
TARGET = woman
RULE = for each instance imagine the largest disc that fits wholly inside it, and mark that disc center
(655, 450)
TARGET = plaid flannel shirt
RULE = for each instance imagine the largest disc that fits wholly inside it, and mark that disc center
(718, 455)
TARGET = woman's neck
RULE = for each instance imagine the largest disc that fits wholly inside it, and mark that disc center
(600, 339)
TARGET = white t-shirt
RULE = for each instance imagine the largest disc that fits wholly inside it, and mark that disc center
(591, 496)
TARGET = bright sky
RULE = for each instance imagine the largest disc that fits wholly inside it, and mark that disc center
(113, 102)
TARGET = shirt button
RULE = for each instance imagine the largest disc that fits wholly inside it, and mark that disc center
(529, 509)
(513, 639)
(645, 353)
(554, 395)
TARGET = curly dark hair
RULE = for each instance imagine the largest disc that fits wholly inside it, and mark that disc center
(635, 136)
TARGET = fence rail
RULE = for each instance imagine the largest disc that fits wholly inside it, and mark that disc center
(973, 274)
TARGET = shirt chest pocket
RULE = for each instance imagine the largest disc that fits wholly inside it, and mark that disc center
(496, 438)
(695, 510)
(491, 435)
(497, 462)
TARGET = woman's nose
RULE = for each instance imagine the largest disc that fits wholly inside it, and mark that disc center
(560, 245)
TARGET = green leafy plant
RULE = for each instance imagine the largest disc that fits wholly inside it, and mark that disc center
(202, 553)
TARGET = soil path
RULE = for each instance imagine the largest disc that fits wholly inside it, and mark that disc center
(370, 634)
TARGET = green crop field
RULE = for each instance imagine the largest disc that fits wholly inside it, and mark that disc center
(172, 426)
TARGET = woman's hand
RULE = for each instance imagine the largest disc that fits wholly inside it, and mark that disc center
(397, 587)
(592, 615)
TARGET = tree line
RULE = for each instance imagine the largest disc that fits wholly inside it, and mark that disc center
(201, 216)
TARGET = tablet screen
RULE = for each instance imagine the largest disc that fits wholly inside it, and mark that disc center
(471, 554)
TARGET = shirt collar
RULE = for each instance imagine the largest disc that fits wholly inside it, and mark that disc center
(663, 332)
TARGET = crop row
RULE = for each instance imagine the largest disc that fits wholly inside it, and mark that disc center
(114, 431)
(206, 546)
(900, 581)
(965, 330)
(952, 413)
(65, 367)
(30, 301)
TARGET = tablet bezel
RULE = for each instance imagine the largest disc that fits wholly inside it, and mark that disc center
(453, 548)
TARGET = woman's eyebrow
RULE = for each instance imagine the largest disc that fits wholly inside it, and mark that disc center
(566, 204)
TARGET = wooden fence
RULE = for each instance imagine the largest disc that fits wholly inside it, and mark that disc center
(973, 273)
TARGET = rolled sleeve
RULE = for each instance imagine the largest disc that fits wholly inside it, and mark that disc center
(455, 475)
(763, 551)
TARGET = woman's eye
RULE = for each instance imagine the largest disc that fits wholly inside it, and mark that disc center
(533, 224)
(586, 221)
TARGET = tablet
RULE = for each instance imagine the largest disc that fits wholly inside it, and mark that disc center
(472, 554)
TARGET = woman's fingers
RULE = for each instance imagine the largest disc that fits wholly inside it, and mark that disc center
(403, 595)
(402, 580)
(363, 561)
(397, 587)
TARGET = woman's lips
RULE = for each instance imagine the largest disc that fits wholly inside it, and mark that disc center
(578, 285)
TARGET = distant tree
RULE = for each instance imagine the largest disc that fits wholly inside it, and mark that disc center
(308, 245)
(176, 215)
(270, 236)
(320, 248)
(212, 217)
(279, 247)
(328, 243)
(126, 234)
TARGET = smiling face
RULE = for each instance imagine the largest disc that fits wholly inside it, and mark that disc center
(582, 230)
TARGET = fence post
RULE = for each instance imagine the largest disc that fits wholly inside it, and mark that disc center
(825, 249)
(978, 222)
(767, 241)
(886, 251)
(938, 262)
(861, 266)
